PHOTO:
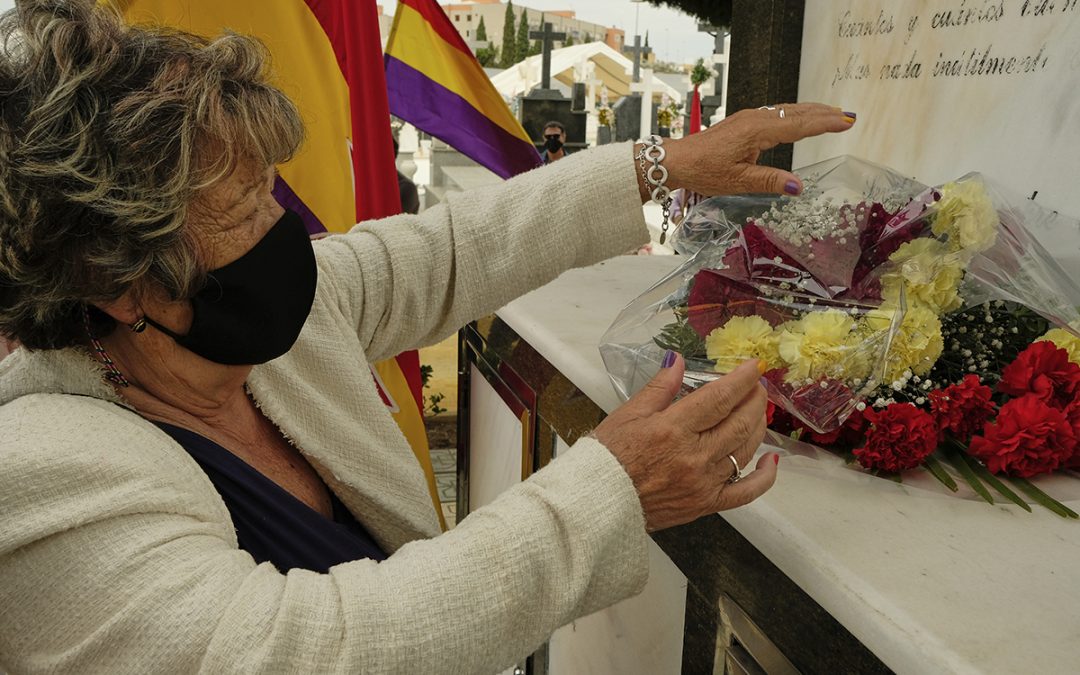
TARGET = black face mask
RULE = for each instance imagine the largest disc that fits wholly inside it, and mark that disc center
(552, 144)
(252, 310)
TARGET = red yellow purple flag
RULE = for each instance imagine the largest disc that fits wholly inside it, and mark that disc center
(327, 57)
(436, 84)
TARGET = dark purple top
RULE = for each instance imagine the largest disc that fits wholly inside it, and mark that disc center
(271, 524)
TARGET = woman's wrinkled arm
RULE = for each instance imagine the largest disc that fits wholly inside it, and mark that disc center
(119, 562)
(409, 281)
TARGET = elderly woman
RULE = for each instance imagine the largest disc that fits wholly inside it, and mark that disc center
(198, 471)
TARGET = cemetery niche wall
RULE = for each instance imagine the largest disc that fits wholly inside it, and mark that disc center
(944, 88)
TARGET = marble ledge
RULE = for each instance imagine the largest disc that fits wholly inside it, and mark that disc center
(929, 582)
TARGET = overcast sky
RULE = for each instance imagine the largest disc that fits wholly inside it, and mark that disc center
(672, 34)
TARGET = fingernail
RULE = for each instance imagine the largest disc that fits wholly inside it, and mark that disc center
(669, 359)
(849, 114)
(776, 459)
(762, 367)
(849, 118)
(765, 382)
(791, 187)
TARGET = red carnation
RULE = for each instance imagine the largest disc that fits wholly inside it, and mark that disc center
(962, 409)
(1072, 413)
(1029, 437)
(1045, 371)
(900, 437)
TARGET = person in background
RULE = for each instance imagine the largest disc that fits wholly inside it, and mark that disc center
(410, 196)
(554, 142)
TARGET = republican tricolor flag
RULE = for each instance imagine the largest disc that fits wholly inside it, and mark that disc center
(436, 84)
(327, 56)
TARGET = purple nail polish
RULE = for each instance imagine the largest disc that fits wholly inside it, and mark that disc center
(765, 382)
(851, 115)
(791, 187)
(669, 359)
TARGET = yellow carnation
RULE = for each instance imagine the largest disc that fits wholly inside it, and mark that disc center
(966, 214)
(740, 339)
(822, 344)
(916, 345)
(929, 274)
(1065, 339)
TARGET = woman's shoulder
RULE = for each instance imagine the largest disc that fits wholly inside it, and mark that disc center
(73, 460)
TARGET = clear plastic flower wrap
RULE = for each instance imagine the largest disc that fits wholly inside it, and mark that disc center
(842, 291)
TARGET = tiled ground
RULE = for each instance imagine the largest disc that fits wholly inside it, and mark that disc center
(444, 461)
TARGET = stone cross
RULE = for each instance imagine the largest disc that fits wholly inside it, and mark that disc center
(548, 37)
(639, 51)
(645, 87)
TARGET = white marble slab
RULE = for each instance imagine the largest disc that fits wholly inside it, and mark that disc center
(638, 636)
(494, 441)
(929, 584)
(944, 88)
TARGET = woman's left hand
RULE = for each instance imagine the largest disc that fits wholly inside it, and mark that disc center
(723, 158)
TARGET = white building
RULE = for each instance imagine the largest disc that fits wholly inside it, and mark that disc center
(466, 17)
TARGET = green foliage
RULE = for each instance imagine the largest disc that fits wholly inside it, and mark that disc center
(716, 12)
(700, 74)
(488, 56)
(569, 41)
(682, 338)
(509, 43)
(481, 31)
(522, 48)
(431, 402)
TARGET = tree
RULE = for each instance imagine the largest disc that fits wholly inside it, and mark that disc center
(569, 40)
(716, 12)
(509, 44)
(488, 56)
(522, 49)
(481, 31)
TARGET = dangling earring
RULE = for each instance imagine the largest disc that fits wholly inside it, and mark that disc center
(113, 375)
(139, 326)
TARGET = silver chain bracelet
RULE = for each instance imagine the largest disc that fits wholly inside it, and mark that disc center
(656, 175)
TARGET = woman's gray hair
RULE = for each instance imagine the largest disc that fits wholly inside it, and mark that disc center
(108, 134)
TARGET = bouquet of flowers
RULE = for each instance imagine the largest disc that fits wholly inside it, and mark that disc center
(898, 324)
(605, 115)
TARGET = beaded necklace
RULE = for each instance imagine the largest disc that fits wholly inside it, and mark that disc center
(113, 375)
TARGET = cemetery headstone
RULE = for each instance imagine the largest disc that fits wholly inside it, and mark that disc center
(627, 112)
(544, 104)
(578, 97)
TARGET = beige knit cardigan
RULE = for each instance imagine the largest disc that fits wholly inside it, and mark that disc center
(117, 555)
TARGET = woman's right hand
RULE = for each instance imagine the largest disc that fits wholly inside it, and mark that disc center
(723, 158)
(679, 454)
